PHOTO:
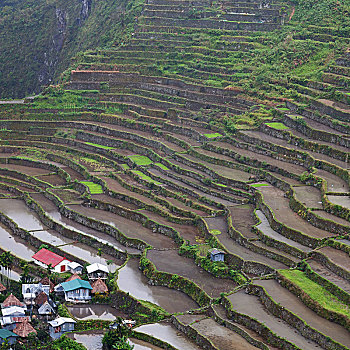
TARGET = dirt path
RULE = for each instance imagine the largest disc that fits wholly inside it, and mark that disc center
(250, 305)
(170, 261)
(275, 199)
(329, 275)
(291, 302)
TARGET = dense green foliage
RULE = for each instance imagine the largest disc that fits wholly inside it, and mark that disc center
(39, 37)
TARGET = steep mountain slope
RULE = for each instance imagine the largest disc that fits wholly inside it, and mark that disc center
(38, 38)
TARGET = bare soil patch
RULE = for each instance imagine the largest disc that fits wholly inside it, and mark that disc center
(334, 183)
(187, 232)
(338, 257)
(54, 180)
(243, 219)
(308, 195)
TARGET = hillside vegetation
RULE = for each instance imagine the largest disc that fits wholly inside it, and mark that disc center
(39, 37)
(189, 126)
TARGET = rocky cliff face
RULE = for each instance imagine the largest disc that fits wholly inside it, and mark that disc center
(39, 37)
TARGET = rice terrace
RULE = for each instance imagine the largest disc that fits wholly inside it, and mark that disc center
(174, 174)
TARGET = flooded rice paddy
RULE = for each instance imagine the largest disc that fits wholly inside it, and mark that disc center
(131, 280)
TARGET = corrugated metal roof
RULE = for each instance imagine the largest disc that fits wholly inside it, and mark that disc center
(47, 257)
(75, 284)
(4, 333)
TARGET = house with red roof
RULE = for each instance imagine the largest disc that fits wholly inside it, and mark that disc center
(45, 257)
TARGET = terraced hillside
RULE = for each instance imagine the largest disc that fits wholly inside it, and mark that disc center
(213, 125)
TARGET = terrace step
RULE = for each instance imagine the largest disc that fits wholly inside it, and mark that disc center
(237, 249)
(219, 336)
(291, 302)
(279, 205)
(335, 260)
(212, 24)
(329, 275)
(289, 245)
(254, 338)
(336, 79)
(251, 308)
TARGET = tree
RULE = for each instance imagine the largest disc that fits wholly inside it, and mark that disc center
(6, 261)
(25, 278)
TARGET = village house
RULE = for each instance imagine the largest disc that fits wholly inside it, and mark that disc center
(6, 335)
(73, 277)
(13, 311)
(96, 271)
(10, 322)
(76, 290)
(46, 282)
(75, 267)
(10, 301)
(46, 309)
(45, 305)
(217, 255)
(99, 287)
(23, 329)
(45, 257)
(60, 326)
(3, 289)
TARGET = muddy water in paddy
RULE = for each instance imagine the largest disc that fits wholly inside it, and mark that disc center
(52, 211)
(131, 280)
(128, 227)
(27, 219)
(168, 333)
(15, 245)
(95, 312)
(92, 340)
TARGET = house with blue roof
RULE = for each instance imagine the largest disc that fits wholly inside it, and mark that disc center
(76, 291)
(7, 335)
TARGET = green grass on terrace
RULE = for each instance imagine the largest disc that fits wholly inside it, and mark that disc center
(93, 188)
(316, 292)
(259, 185)
(162, 166)
(140, 160)
(101, 146)
(125, 166)
(211, 136)
(278, 126)
(145, 177)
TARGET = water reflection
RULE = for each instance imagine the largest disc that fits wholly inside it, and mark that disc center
(131, 279)
(95, 312)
